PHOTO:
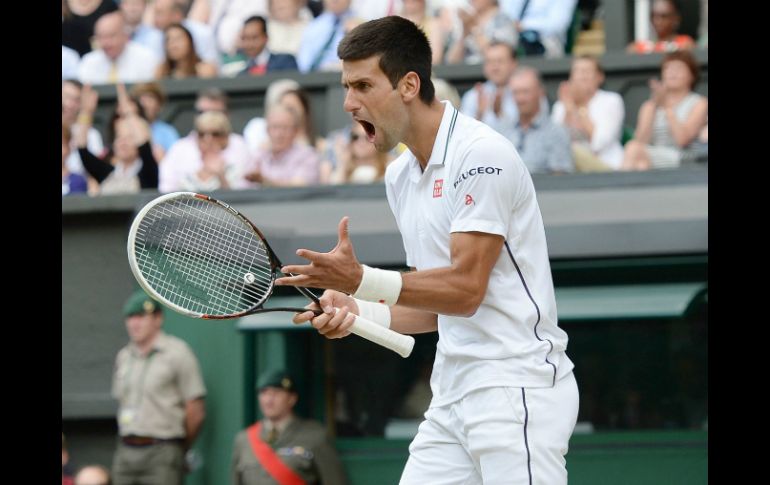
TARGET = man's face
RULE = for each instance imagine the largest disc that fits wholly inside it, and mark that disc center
(164, 14)
(664, 18)
(276, 403)
(142, 328)
(526, 93)
(498, 64)
(253, 39)
(585, 76)
(374, 102)
(132, 11)
(111, 35)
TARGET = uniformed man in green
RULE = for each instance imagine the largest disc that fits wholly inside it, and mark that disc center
(158, 384)
(282, 448)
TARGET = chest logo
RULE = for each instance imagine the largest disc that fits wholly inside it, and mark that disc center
(469, 200)
(438, 184)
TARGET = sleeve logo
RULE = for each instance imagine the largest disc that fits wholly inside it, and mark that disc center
(477, 171)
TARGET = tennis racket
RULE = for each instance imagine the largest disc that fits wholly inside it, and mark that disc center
(204, 259)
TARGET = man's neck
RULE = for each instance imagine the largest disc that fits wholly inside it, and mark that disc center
(281, 423)
(526, 120)
(421, 135)
(147, 346)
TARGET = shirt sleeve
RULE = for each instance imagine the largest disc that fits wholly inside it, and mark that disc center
(608, 125)
(190, 380)
(484, 186)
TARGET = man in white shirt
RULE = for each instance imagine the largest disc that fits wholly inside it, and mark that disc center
(505, 400)
(117, 59)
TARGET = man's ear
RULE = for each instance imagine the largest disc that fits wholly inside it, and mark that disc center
(409, 86)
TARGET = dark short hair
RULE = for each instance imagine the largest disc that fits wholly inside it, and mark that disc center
(402, 48)
(688, 59)
(214, 93)
(508, 46)
(592, 59)
(259, 19)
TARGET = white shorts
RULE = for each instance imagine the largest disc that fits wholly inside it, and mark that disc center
(497, 435)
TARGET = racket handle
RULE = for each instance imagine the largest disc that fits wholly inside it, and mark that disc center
(398, 343)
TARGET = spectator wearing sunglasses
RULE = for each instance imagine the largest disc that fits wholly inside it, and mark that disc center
(212, 130)
(184, 159)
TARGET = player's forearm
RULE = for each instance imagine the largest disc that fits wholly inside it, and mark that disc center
(448, 291)
(411, 321)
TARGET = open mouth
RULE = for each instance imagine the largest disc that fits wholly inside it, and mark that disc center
(370, 130)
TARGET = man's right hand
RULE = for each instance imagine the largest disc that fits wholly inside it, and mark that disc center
(331, 324)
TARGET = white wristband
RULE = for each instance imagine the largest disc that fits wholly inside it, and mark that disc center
(375, 312)
(379, 285)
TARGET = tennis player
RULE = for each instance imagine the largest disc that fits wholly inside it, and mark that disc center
(505, 400)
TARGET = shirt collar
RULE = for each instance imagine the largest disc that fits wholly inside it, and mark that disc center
(441, 145)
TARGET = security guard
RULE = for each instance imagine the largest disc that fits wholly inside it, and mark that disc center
(282, 448)
(158, 384)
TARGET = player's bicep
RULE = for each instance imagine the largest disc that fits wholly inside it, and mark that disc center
(474, 254)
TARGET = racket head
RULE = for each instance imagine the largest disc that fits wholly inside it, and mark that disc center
(200, 257)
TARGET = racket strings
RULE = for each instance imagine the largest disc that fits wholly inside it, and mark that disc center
(203, 258)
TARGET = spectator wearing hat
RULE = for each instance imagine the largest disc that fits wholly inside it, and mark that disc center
(160, 391)
(281, 447)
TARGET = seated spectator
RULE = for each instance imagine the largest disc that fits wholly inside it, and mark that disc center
(482, 24)
(212, 130)
(78, 20)
(71, 92)
(287, 22)
(666, 17)
(492, 102)
(286, 163)
(185, 158)
(139, 32)
(254, 58)
(360, 162)
(541, 25)
(318, 47)
(181, 60)
(167, 12)
(593, 117)
(255, 131)
(129, 165)
(669, 122)
(70, 62)
(225, 18)
(93, 475)
(151, 98)
(299, 101)
(542, 144)
(117, 59)
(71, 183)
(417, 12)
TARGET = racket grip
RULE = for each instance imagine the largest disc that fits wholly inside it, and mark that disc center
(398, 343)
